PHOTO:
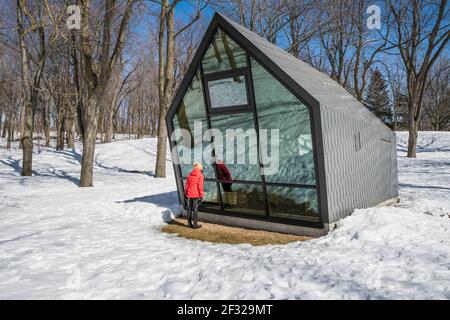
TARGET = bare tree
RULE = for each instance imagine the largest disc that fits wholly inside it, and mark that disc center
(337, 39)
(9, 104)
(32, 76)
(421, 33)
(305, 20)
(437, 98)
(166, 76)
(368, 46)
(97, 72)
(399, 99)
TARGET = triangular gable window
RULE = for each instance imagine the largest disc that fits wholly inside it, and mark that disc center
(223, 54)
(225, 72)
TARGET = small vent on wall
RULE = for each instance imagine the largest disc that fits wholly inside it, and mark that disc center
(357, 141)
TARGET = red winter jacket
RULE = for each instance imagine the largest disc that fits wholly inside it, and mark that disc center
(194, 184)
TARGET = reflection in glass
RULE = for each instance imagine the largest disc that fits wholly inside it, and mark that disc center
(191, 116)
(238, 145)
(211, 197)
(228, 92)
(224, 175)
(190, 153)
(278, 108)
(247, 198)
(192, 106)
(223, 54)
(298, 203)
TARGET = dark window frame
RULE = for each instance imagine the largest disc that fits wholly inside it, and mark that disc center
(208, 44)
(300, 93)
(263, 183)
(225, 75)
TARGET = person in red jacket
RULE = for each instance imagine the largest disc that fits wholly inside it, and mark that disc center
(194, 193)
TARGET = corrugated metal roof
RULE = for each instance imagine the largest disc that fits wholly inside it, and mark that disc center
(328, 92)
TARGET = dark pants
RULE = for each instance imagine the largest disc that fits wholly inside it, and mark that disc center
(193, 211)
(226, 187)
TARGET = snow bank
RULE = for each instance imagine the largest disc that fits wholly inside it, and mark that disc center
(60, 241)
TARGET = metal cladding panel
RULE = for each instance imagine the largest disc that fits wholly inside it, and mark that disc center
(357, 178)
(394, 169)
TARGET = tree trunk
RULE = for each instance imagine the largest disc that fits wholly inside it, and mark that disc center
(154, 123)
(26, 121)
(26, 139)
(115, 125)
(1, 119)
(22, 118)
(46, 123)
(61, 132)
(89, 139)
(71, 131)
(166, 80)
(160, 167)
(413, 121)
(412, 139)
(160, 170)
(87, 162)
(293, 33)
(97, 78)
(101, 116)
(5, 127)
(110, 126)
(10, 132)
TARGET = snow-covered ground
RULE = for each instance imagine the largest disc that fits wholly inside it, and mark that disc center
(61, 241)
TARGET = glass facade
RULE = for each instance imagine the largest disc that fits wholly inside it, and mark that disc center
(297, 203)
(211, 198)
(238, 182)
(246, 198)
(239, 152)
(277, 108)
(191, 116)
(223, 54)
(228, 92)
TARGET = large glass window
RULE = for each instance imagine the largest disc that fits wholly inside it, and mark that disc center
(192, 152)
(298, 203)
(211, 197)
(289, 190)
(277, 108)
(191, 116)
(236, 146)
(228, 92)
(223, 54)
(247, 198)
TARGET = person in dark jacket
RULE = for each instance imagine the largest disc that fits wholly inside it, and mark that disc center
(224, 175)
(225, 178)
(194, 193)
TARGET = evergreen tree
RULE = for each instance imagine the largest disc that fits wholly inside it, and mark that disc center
(377, 98)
